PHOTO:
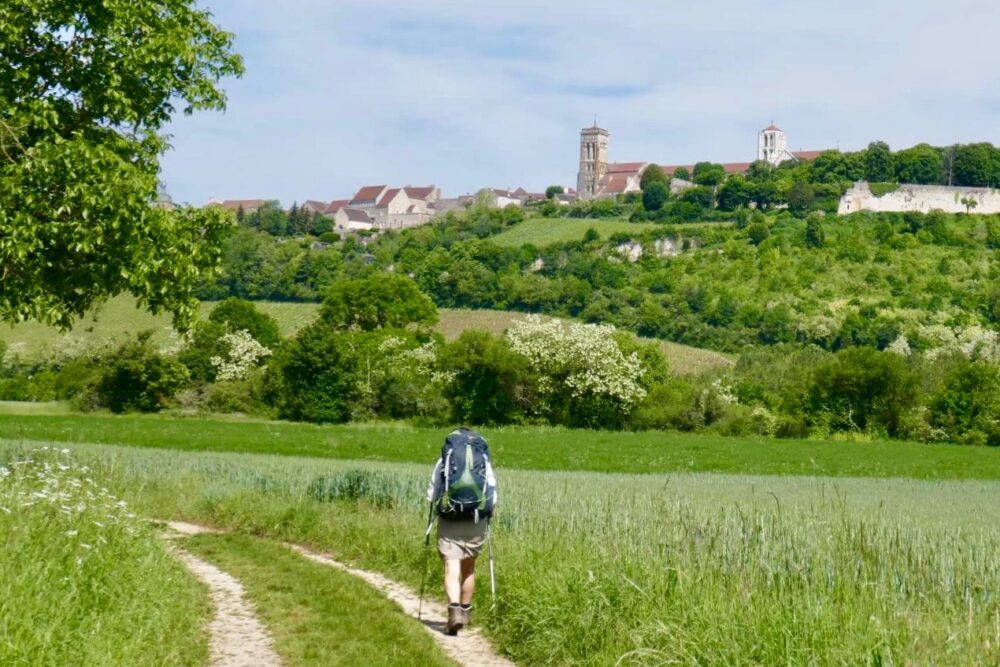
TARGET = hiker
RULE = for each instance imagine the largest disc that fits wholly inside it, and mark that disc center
(465, 489)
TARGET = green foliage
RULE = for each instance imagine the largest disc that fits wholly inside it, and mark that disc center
(758, 232)
(879, 162)
(977, 165)
(708, 174)
(881, 189)
(136, 378)
(682, 173)
(801, 198)
(490, 383)
(815, 236)
(701, 196)
(920, 164)
(735, 193)
(241, 315)
(967, 406)
(85, 92)
(862, 389)
(553, 190)
(653, 174)
(376, 301)
(654, 196)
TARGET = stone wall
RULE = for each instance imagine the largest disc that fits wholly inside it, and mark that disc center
(923, 198)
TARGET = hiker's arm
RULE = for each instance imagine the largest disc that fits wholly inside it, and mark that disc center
(491, 481)
(434, 488)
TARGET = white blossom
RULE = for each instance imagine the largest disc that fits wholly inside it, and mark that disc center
(244, 353)
(584, 357)
(900, 346)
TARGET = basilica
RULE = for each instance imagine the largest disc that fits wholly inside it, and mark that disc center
(599, 178)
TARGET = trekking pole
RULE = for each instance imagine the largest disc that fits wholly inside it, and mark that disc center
(493, 578)
(427, 552)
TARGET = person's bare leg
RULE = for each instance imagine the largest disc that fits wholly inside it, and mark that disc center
(468, 574)
(452, 580)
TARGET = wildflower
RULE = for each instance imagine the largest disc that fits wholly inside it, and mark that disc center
(244, 353)
(72, 533)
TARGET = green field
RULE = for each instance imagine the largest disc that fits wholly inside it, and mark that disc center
(119, 318)
(600, 569)
(544, 231)
(526, 448)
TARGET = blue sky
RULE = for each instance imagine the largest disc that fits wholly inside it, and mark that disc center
(463, 94)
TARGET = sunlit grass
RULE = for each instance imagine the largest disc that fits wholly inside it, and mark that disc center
(651, 569)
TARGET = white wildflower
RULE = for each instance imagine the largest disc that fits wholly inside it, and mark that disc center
(900, 346)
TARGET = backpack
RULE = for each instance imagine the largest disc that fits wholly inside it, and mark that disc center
(465, 493)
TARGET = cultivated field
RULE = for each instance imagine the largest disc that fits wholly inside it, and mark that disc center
(600, 569)
(119, 318)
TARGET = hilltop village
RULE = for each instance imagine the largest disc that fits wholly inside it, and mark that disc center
(374, 208)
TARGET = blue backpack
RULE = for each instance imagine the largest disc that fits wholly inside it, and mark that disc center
(465, 493)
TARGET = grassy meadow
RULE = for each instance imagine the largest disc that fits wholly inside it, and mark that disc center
(83, 579)
(546, 231)
(524, 448)
(119, 319)
(682, 568)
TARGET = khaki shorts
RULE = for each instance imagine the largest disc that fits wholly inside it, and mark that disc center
(459, 539)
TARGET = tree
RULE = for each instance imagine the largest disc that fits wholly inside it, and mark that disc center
(654, 196)
(85, 90)
(490, 383)
(830, 167)
(969, 203)
(977, 165)
(682, 173)
(709, 174)
(653, 174)
(242, 315)
(815, 236)
(967, 406)
(801, 197)
(376, 301)
(920, 164)
(760, 171)
(879, 163)
(700, 196)
(553, 190)
(734, 193)
(758, 232)
(765, 194)
(863, 389)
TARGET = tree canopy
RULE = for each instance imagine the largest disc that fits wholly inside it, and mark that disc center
(85, 91)
(376, 302)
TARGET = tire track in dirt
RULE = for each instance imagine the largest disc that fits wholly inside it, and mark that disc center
(237, 638)
(469, 648)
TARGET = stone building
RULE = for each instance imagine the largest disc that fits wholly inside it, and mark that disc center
(922, 198)
(598, 178)
(396, 208)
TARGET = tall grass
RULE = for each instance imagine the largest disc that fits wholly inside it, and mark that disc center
(83, 581)
(693, 569)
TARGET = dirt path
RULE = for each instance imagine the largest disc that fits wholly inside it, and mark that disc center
(237, 638)
(469, 648)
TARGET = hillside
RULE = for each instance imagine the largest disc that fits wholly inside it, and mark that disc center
(119, 318)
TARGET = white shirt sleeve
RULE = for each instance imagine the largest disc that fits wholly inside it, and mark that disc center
(434, 488)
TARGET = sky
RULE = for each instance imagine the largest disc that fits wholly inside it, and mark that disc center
(467, 94)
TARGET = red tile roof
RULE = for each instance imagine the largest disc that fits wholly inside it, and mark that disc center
(624, 167)
(336, 205)
(249, 205)
(772, 128)
(368, 193)
(355, 215)
(422, 192)
(730, 167)
(613, 184)
(388, 197)
(807, 155)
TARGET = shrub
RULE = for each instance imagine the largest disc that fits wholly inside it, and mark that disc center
(489, 383)
(242, 315)
(655, 196)
(376, 301)
(967, 406)
(136, 378)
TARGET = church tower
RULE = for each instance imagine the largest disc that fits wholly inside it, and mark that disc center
(772, 145)
(593, 160)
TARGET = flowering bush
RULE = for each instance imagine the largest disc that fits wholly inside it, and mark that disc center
(243, 355)
(579, 362)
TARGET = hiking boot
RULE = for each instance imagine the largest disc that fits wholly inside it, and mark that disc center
(467, 615)
(455, 619)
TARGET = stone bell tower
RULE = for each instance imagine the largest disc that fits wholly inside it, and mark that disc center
(772, 146)
(593, 160)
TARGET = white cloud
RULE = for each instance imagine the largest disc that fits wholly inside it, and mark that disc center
(469, 94)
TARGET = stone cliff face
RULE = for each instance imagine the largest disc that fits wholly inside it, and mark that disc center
(923, 198)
